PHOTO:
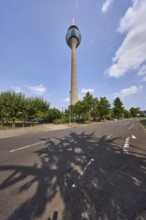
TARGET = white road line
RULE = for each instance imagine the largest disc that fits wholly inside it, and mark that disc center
(109, 136)
(131, 126)
(133, 137)
(126, 146)
(82, 173)
(31, 145)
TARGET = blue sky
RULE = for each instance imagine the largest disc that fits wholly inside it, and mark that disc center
(111, 59)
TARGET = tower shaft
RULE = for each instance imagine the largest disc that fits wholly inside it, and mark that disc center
(73, 39)
(74, 82)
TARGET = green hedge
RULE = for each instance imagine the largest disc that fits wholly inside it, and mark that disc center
(143, 122)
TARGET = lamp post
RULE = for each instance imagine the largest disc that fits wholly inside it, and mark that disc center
(70, 108)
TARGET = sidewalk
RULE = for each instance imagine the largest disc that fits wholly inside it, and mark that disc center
(31, 130)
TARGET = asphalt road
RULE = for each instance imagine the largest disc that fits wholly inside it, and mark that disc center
(94, 172)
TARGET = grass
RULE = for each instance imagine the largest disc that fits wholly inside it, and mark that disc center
(143, 122)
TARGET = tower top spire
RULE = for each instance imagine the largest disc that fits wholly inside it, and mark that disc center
(73, 21)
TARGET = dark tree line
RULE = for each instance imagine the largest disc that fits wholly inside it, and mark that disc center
(15, 106)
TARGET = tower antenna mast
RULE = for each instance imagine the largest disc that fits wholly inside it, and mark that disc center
(73, 20)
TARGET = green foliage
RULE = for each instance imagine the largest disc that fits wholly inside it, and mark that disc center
(103, 107)
(79, 109)
(53, 114)
(134, 112)
(95, 112)
(108, 116)
(84, 109)
(126, 113)
(90, 101)
(143, 122)
(59, 121)
(10, 106)
(118, 108)
(16, 106)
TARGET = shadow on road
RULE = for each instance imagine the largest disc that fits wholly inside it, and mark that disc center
(55, 214)
(112, 187)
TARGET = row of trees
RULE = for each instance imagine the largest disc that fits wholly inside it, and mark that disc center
(91, 107)
(14, 106)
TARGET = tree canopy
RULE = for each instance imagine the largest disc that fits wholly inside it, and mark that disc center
(15, 106)
(118, 108)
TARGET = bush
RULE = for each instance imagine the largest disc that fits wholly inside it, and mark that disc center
(8, 125)
(143, 122)
(80, 120)
(59, 121)
(108, 117)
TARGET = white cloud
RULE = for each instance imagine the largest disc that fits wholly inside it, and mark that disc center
(106, 5)
(132, 53)
(17, 89)
(66, 100)
(144, 79)
(37, 90)
(142, 70)
(87, 90)
(124, 93)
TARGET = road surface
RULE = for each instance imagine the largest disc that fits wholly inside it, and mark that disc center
(94, 172)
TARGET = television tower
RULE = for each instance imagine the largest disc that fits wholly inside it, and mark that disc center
(73, 39)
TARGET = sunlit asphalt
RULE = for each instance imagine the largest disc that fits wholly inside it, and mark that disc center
(81, 173)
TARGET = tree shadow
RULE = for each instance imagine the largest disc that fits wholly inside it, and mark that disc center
(55, 216)
(112, 186)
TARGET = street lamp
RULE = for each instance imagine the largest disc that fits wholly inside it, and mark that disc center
(70, 108)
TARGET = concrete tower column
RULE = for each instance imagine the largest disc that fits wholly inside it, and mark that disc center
(74, 81)
(73, 39)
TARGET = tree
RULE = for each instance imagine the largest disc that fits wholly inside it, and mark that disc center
(10, 106)
(88, 98)
(53, 114)
(2, 110)
(126, 113)
(15, 106)
(118, 108)
(94, 112)
(134, 112)
(80, 109)
(91, 104)
(103, 107)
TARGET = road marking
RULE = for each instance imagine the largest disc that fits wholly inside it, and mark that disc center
(109, 136)
(82, 173)
(131, 126)
(31, 145)
(126, 146)
(133, 137)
